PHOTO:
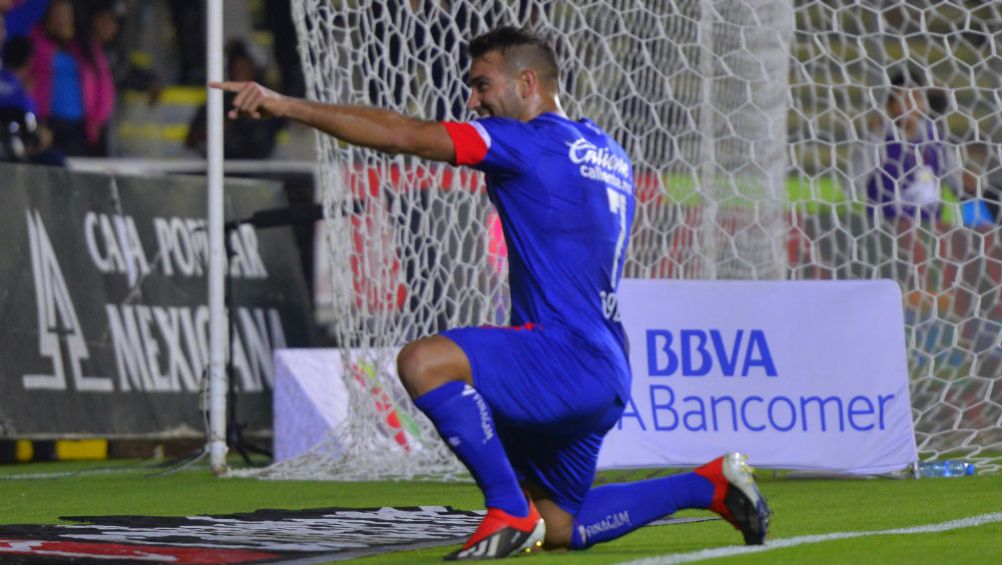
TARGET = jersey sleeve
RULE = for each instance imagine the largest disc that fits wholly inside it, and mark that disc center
(490, 144)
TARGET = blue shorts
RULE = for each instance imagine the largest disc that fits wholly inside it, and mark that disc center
(553, 397)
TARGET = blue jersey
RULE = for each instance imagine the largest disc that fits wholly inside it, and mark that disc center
(564, 193)
(13, 93)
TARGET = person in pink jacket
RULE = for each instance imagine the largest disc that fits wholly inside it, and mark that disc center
(73, 89)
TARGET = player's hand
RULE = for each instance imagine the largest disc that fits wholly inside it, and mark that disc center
(252, 100)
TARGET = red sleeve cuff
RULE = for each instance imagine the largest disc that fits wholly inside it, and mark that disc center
(471, 141)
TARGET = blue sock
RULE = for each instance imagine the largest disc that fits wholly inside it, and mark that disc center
(464, 421)
(611, 511)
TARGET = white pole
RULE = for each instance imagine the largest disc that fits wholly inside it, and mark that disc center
(217, 256)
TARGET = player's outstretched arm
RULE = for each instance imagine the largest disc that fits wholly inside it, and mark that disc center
(376, 128)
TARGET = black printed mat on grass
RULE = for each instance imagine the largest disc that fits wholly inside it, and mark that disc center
(263, 536)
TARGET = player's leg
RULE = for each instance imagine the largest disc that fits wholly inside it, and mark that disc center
(612, 511)
(437, 374)
(558, 472)
(724, 485)
(557, 460)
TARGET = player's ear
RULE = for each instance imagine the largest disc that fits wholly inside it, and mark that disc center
(528, 83)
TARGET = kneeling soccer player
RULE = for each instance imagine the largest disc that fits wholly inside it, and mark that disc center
(525, 407)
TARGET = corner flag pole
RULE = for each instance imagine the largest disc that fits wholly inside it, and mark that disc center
(217, 267)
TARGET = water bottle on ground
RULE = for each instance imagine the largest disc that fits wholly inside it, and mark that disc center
(948, 468)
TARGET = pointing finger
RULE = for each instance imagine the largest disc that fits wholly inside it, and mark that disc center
(229, 86)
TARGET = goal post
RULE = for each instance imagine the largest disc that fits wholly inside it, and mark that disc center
(754, 127)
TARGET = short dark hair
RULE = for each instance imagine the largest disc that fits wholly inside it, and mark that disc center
(535, 48)
(902, 77)
(905, 76)
(16, 52)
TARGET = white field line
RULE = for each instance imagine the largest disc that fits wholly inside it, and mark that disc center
(729, 551)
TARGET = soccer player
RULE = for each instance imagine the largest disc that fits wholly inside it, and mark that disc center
(525, 407)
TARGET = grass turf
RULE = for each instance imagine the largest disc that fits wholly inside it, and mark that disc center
(801, 507)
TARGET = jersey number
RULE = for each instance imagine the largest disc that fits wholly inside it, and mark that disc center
(610, 300)
(617, 206)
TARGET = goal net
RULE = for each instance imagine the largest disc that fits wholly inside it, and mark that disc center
(891, 182)
(756, 128)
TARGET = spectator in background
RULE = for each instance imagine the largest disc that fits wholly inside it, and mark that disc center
(103, 25)
(73, 87)
(18, 129)
(913, 161)
(904, 186)
(96, 39)
(105, 17)
(242, 139)
(24, 139)
(16, 55)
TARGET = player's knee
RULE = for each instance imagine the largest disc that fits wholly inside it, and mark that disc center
(559, 522)
(558, 535)
(416, 368)
(409, 367)
(430, 362)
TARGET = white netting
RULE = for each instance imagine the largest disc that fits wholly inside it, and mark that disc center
(949, 265)
(754, 127)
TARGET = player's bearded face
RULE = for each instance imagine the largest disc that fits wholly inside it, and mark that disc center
(493, 91)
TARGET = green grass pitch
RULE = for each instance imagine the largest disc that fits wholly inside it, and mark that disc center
(800, 507)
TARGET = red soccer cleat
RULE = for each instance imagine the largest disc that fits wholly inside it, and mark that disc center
(502, 535)
(735, 496)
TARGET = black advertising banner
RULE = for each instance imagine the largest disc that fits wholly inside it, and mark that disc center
(104, 303)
